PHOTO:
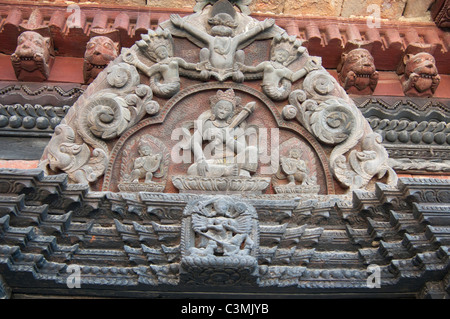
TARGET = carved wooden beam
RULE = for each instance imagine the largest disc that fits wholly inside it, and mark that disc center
(325, 37)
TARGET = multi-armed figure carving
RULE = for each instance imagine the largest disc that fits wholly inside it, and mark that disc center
(221, 56)
(229, 154)
(164, 74)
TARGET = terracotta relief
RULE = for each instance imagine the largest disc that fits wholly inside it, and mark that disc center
(32, 59)
(419, 74)
(100, 51)
(357, 72)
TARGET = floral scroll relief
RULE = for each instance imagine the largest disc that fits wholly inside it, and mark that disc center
(324, 109)
(108, 113)
(104, 115)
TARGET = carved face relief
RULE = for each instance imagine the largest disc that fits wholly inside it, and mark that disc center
(32, 53)
(281, 56)
(100, 51)
(223, 110)
(222, 25)
(162, 52)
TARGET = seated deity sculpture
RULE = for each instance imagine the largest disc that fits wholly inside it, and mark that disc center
(228, 136)
(294, 167)
(145, 165)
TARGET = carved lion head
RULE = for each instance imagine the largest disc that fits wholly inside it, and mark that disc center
(359, 61)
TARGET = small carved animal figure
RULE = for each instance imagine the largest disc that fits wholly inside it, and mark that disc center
(357, 73)
(31, 60)
(421, 76)
(100, 51)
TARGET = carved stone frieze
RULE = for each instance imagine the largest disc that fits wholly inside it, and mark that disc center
(154, 241)
(33, 57)
(30, 118)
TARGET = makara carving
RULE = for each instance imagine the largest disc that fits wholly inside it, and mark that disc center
(33, 57)
(100, 51)
(357, 72)
(221, 57)
(63, 154)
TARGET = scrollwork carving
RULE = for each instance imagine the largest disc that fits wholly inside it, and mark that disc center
(337, 122)
(108, 113)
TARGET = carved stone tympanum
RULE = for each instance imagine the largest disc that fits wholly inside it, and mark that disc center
(216, 154)
(224, 136)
